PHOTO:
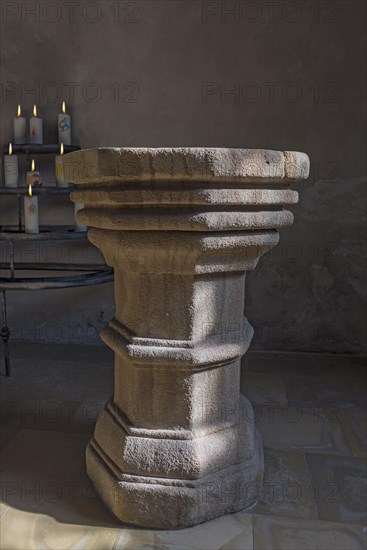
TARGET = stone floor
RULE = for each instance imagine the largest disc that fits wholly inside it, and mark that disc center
(310, 410)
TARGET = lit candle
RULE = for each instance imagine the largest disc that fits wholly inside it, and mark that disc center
(59, 169)
(78, 226)
(64, 126)
(11, 169)
(35, 128)
(31, 203)
(20, 125)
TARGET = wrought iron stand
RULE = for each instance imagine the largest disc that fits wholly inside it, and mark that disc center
(92, 274)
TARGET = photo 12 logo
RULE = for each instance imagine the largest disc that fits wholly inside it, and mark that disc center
(71, 12)
(269, 12)
(269, 92)
(71, 92)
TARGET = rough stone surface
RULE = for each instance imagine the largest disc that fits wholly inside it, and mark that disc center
(190, 164)
(176, 444)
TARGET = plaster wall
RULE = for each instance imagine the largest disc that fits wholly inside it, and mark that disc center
(278, 75)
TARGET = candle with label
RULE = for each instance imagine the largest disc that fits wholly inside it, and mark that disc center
(59, 169)
(78, 226)
(64, 126)
(11, 169)
(36, 128)
(20, 126)
(31, 203)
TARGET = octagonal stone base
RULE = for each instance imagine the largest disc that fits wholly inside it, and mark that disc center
(228, 484)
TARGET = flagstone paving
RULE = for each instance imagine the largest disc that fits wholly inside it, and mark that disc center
(314, 437)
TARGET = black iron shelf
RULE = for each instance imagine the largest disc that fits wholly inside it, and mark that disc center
(44, 149)
(47, 233)
(98, 274)
(89, 274)
(36, 190)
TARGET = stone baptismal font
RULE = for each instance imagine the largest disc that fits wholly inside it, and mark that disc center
(176, 444)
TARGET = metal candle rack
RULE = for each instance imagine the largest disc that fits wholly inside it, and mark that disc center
(95, 273)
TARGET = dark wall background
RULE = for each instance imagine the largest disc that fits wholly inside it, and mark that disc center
(279, 75)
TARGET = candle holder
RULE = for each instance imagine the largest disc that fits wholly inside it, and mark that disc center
(176, 444)
(93, 273)
(30, 150)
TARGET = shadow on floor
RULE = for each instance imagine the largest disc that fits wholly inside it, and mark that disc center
(310, 410)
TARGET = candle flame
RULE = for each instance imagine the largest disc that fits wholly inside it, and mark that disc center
(63, 108)
(34, 110)
(30, 189)
(61, 149)
(19, 111)
(10, 149)
(33, 165)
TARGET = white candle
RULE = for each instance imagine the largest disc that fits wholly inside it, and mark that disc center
(59, 169)
(11, 169)
(31, 202)
(64, 126)
(20, 125)
(78, 226)
(36, 128)
(31, 214)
